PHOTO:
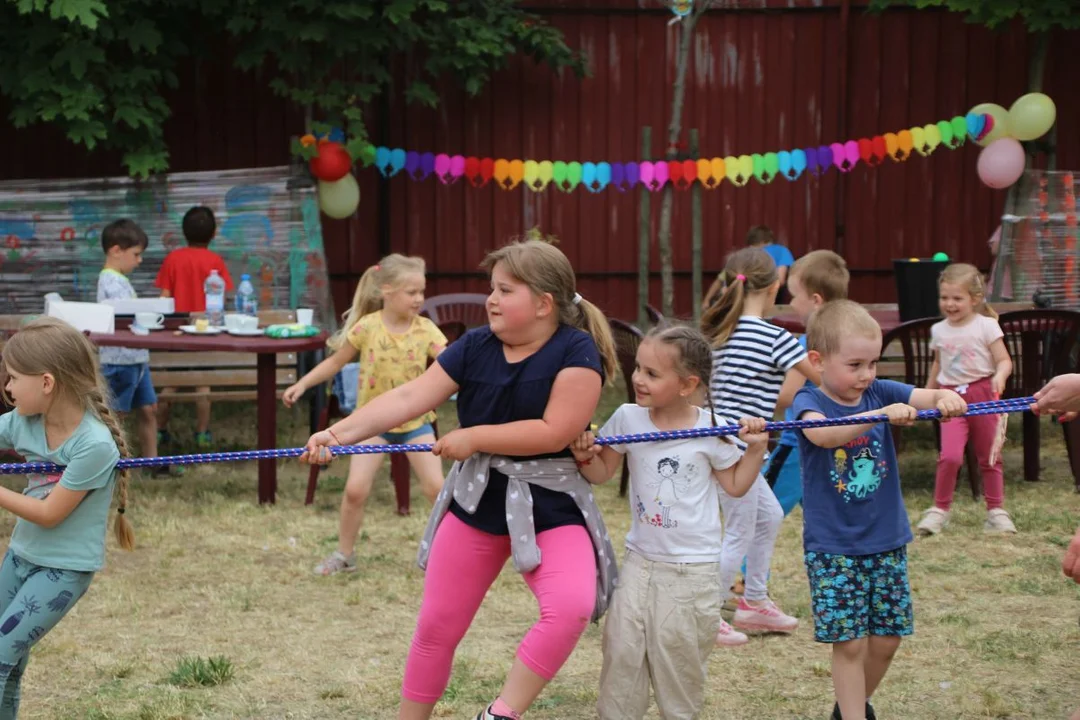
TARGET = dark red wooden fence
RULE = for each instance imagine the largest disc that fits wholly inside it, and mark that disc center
(765, 76)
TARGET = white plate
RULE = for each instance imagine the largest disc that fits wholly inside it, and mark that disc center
(190, 330)
(245, 333)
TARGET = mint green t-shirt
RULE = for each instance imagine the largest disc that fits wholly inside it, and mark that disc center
(90, 456)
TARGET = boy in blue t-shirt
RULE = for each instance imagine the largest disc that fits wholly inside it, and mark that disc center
(856, 526)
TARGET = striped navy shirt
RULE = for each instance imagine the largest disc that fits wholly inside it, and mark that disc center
(749, 370)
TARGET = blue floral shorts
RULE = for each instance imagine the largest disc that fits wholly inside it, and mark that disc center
(853, 596)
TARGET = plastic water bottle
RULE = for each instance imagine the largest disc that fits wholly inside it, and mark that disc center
(246, 301)
(214, 287)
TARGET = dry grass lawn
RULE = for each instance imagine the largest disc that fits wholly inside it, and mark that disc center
(217, 576)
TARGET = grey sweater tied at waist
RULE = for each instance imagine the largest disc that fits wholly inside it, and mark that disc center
(467, 481)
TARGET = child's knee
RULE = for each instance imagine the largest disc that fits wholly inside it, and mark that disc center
(147, 414)
(569, 609)
(356, 494)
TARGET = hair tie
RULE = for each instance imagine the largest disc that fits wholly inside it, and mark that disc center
(741, 277)
(376, 268)
(120, 510)
(577, 299)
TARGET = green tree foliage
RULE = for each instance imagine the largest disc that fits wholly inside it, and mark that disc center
(1037, 15)
(97, 68)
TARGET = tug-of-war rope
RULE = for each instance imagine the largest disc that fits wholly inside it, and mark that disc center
(992, 407)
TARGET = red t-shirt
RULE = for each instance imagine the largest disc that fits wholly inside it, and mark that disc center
(184, 272)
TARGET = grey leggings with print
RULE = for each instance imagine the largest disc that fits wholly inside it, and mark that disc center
(32, 600)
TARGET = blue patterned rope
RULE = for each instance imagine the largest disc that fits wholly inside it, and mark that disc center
(992, 407)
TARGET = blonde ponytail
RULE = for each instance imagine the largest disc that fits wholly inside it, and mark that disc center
(125, 534)
(367, 299)
(594, 322)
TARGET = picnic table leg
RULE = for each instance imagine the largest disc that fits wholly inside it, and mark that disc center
(266, 389)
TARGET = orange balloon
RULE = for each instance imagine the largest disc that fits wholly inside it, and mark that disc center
(502, 173)
(891, 145)
(705, 174)
(719, 171)
(906, 142)
(516, 172)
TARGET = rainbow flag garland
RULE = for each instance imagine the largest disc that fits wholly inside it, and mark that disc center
(682, 174)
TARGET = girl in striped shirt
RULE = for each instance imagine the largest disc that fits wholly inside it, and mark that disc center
(751, 358)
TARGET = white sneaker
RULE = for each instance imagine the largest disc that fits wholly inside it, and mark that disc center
(728, 636)
(336, 563)
(933, 521)
(998, 522)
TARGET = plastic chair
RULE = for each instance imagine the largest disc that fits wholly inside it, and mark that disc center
(656, 318)
(457, 312)
(914, 339)
(1042, 344)
(627, 339)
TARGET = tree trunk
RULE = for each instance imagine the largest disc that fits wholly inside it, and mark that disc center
(687, 24)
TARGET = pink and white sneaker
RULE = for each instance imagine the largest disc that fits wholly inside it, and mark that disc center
(728, 636)
(767, 618)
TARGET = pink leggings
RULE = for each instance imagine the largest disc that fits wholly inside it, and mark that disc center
(464, 563)
(954, 438)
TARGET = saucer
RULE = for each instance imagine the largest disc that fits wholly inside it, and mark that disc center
(191, 330)
(245, 333)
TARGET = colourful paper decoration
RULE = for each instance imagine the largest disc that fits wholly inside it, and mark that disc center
(538, 175)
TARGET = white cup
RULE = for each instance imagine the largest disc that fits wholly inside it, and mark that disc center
(232, 321)
(247, 323)
(149, 320)
(305, 316)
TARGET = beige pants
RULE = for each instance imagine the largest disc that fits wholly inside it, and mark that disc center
(661, 626)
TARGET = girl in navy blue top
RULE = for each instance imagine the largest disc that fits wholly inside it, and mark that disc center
(527, 386)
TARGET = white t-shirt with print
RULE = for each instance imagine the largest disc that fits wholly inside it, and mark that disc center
(964, 352)
(674, 506)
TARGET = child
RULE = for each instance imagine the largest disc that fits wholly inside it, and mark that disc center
(970, 357)
(762, 237)
(51, 377)
(127, 370)
(527, 385)
(750, 360)
(384, 328)
(181, 277)
(816, 278)
(856, 528)
(666, 612)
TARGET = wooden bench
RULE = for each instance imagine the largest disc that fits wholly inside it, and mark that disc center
(230, 376)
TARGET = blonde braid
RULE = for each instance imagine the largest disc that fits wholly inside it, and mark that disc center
(125, 534)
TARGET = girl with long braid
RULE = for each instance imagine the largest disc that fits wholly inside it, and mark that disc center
(50, 375)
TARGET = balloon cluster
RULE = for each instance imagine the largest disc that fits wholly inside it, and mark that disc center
(339, 195)
(710, 172)
(1002, 159)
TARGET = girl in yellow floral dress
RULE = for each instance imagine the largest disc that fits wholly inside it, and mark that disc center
(384, 330)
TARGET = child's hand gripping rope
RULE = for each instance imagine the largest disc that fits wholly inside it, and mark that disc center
(322, 446)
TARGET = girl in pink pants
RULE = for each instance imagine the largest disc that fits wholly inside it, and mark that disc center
(970, 357)
(527, 385)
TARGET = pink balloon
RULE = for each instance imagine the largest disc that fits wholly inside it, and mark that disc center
(660, 174)
(837, 155)
(645, 172)
(442, 166)
(1001, 163)
(851, 149)
(457, 166)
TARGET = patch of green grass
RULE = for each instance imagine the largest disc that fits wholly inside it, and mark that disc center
(202, 672)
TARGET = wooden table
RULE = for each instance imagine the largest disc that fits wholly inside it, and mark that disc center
(887, 318)
(265, 348)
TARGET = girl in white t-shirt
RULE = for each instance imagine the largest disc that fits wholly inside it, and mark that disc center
(665, 614)
(970, 357)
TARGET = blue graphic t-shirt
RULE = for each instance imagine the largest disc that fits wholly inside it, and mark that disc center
(791, 437)
(852, 503)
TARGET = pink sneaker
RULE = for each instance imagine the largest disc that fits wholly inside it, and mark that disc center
(728, 636)
(767, 618)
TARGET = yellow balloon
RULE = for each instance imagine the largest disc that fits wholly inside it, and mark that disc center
(932, 134)
(532, 174)
(1001, 121)
(918, 141)
(1031, 116)
(340, 198)
(731, 170)
(545, 173)
(746, 168)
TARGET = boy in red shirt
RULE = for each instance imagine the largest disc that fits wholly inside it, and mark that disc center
(181, 277)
